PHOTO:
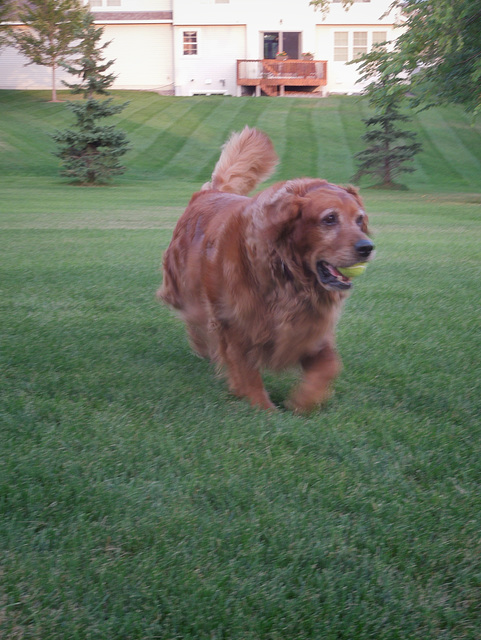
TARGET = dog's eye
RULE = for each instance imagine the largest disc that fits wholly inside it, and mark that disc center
(360, 220)
(330, 219)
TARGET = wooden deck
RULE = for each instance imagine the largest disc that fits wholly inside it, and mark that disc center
(273, 76)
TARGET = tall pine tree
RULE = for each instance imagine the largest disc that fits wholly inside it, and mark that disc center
(91, 151)
(390, 148)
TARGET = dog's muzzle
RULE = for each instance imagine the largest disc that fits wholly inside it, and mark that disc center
(331, 278)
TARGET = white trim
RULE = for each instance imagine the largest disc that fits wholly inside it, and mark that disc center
(209, 92)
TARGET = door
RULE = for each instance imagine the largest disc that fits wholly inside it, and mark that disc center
(288, 41)
(271, 44)
(291, 44)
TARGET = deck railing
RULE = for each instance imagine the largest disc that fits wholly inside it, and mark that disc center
(296, 72)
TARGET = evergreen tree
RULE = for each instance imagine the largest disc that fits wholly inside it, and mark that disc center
(88, 63)
(390, 148)
(52, 29)
(91, 151)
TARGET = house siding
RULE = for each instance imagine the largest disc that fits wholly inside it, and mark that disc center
(213, 69)
(143, 56)
(147, 42)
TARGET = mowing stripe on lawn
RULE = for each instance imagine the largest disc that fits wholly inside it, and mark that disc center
(354, 128)
(334, 159)
(185, 131)
(450, 146)
(467, 130)
(142, 114)
(171, 131)
(273, 121)
(298, 158)
(443, 171)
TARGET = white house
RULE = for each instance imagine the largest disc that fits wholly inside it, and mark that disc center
(184, 47)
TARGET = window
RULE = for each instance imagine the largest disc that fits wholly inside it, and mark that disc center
(351, 45)
(190, 43)
(108, 3)
(359, 43)
(378, 37)
(341, 49)
(271, 45)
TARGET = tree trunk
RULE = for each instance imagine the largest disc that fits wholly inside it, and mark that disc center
(387, 165)
(54, 82)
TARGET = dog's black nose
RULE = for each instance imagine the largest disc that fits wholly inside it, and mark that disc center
(364, 247)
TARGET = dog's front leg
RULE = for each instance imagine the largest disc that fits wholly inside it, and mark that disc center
(315, 387)
(245, 381)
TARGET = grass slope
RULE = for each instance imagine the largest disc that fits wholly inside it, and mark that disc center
(178, 139)
(138, 499)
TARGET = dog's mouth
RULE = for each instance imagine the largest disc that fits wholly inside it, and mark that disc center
(331, 278)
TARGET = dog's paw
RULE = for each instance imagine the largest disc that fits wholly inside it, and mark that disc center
(304, 401)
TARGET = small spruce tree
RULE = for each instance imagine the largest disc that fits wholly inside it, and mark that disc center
(91, 151)
(390, 148)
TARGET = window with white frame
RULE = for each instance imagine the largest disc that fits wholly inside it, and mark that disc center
(379, 37)
(190, 43)
(350, 45)
(359, 44)
(105, 3)
(341, 46)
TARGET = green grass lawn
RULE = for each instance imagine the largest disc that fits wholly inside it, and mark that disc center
(138, 499)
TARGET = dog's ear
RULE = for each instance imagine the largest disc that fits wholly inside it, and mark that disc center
(283, 211)
(276, 215)
(354, 191)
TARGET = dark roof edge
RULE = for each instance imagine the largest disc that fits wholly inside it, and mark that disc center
(101, 16)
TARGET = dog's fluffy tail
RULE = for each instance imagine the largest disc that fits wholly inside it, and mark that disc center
(247, 159)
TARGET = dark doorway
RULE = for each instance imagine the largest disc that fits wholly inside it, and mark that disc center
(290, 44)
(271, 45)
(288, 41)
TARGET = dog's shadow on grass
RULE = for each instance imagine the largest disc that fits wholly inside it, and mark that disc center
(279, 386)
(190, 381)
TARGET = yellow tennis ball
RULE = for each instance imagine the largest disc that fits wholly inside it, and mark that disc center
(354, 271)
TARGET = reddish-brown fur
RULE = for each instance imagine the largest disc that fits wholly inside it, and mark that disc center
(244, 272)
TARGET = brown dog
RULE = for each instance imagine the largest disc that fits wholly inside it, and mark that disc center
(256, 279)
